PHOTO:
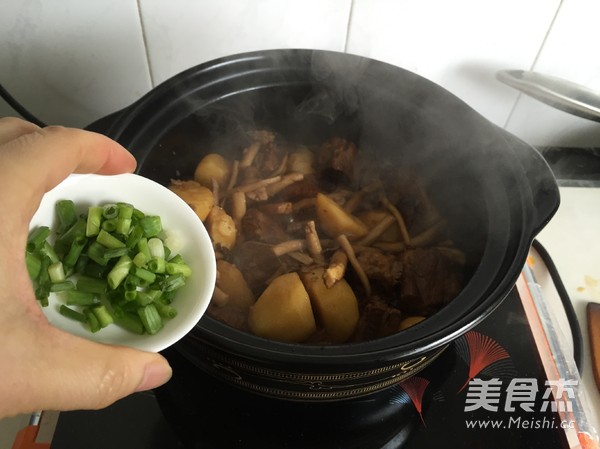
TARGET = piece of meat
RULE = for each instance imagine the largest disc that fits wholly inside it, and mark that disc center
(429, 280)
(231, 315)
(377, 320)
(380, 266)
(338, 154)
(257, 225)
(258, 263)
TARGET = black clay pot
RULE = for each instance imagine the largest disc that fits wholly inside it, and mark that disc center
(495, 191)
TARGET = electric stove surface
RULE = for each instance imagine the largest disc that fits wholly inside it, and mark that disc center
(489, 389)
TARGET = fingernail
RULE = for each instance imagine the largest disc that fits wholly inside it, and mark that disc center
(155, 374)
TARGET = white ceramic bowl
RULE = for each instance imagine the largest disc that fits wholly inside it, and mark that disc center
(178, 220)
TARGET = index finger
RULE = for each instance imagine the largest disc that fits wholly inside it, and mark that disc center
(36, 162)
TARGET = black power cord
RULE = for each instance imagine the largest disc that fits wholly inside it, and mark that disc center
(560, 288)
(567, 305)
(19, 108)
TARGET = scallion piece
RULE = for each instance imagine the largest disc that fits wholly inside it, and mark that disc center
(165, 311)
(157, 265)
(123, 226)
(173, 282)
(144, 274)
(94, 220)
(108, 240)
(61, 286)
(131, 322)
(34, 265)
(79, 298)
(175, 268)
(135, 234)
(140, 259)
(36, 238)
(103, 316)
(92, 321)
(96, 252)
(110, 211)
(119, 272)
(151, 225)
(109, 225)
(72, 314)
(115, 252)
(67, 215)
(91, 285)
(56, 272)
(63, 242)
(75, 251)
(151, 320)
(47, 250)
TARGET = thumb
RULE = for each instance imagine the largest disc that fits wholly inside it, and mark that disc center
(67, 372)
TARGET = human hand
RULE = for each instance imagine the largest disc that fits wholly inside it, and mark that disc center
(44, 368)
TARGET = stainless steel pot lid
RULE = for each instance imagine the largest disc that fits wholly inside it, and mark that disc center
(557, 92)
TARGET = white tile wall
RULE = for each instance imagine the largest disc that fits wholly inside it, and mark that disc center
(571, 51)
(182, 33)
(69, 61)
(458, 44)
(72, 62)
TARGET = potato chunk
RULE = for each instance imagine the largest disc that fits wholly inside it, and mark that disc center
(221, 228)
(336, 307)
(200, 199)
(372, 217)
(283, 311)
(212, 166)
(335, 221)
(232, 283)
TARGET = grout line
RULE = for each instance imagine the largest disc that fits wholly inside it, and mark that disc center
(144, 40)
(348, 26)
(535, 60)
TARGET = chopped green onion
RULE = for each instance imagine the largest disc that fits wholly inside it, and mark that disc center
(151, 225)
(94, 219)
(109, 225)
(120, 263)
(67, 216)
(92, 321)
(75, 251)
(156, 247)
(173, 282)
(47, 250)
(123, 226)
(79, 298)
(144, 274)
(110, 211)
(34, 265)
(157, 265)
(56, 272)
(151, 320)
(119, 271)
(140, 259)
(101, 313)
(36, 238)
(96, 252)
(91, 285)
(135, 234)
(108, 240)
(115, 252)
(165, 311)
(130, 322)
(62, 286)
(63, 242)
(72, 314)
(175, 268)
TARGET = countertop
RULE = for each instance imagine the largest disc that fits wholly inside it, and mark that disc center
(572, 239)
